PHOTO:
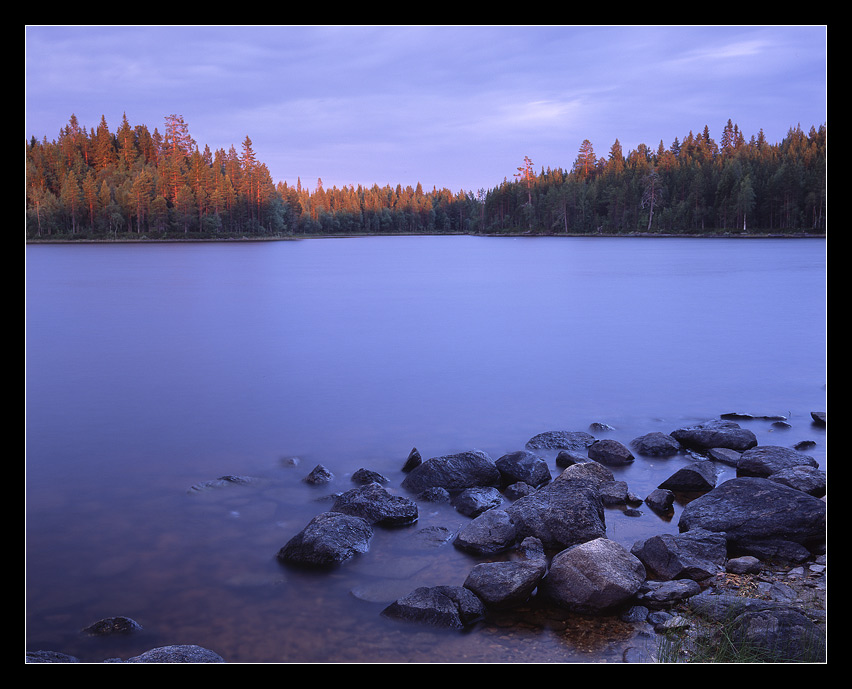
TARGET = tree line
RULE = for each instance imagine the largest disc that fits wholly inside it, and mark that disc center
(134, 183)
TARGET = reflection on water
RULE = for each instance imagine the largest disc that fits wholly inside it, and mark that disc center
(154, 368)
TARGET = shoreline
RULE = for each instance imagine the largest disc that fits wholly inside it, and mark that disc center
(293, 237)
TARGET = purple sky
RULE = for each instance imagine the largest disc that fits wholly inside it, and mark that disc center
(446, 106)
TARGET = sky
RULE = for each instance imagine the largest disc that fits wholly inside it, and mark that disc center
(455, 107)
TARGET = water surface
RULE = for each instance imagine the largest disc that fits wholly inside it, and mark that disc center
(151, 368)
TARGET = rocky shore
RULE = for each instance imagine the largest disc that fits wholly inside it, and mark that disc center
(749, 556)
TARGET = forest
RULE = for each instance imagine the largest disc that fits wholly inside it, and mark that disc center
(135, 184)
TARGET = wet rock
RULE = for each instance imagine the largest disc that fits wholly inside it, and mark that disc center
(377, 506)
(363, 476)
(808, 479)
(330, 538)
(505, 584)
(474, 501)
(660, 500)
(747, 564)
(560, 440)
(610, 452)
(565, 512)
(753, 510)
(593, 577)
(224, 482)
(668, 593)
(319, 475)
(453, 472)
(177, 654)
(724, 455)
(565, 458)
(656, 444)
(613, 493)
(767, 460)
(818, 417)
(413, 461)
(451, 607)
(523, 466)
(697, 555)
(491, 532)
(695, 477)
(715, 433)
(110, 626)
(49, 657)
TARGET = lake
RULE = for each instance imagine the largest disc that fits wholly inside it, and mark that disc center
(153, 368)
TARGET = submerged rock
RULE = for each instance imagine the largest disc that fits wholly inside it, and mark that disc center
(329, 539)
(451, 607)
(376, 505)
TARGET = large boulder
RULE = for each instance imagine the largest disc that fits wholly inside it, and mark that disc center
(523, 466)
(565, 512)
(770, 459)
(697, 555)
(453, 472)
(376, 505)
(751, 511)
(328, 539)
(593, 577)
(715, 433)
(451, 607)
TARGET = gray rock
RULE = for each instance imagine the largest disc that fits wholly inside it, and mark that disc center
(668, 593)
(781, 634)
(593, 472)
(656, 444)
(49, 657)
(565, 458)
(453, 472)
(330, 538)
(110, 626)
(363, 476)
(610, 452)
(319, 475)
(177, 654)
(593, 577)
(715, 433)
(747, 564)
(613, 492)
(770, 459)
(472, 502)
(505, 584)
(565, 512)
(523, 466)
(697, 555)
(413, 460)
(451, 607)
(661, 500)
(749, 510)
(808, 479)
(560, 440)
(695, 477)
(491, 532)
(376, 505)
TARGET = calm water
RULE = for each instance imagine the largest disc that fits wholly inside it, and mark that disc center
(153, 368)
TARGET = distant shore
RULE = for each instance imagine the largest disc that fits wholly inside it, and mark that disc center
(292, 237)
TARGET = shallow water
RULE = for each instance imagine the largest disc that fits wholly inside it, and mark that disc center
(151, 368)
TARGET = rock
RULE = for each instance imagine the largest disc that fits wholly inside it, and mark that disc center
(491, 532)
(598, 427)
(613, 492)
(669, 593)
(319, 475)
(716, 433)
(451, 607)
(431, 537)
(661, 501)
(780, 634)
(505, 584)
(523, 466)
(560, 440)
(808, 479)
(177, 654)
(376, 506)
(610, 452)
(518, 490)
(770, 459)
(453, 472)
(818, 417)
(364, 476)
(414, 460)
(747, 564)
(753, 510)
(49, 657)
(695, 477)
(591, 471)
(330, 538)
(472, 502)
(697, 555)
(566, 458)
(593, 577)
(655, 445)
(724, 455)
(223, 482)
(110, 626)
(565, 512)
(435, 495)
